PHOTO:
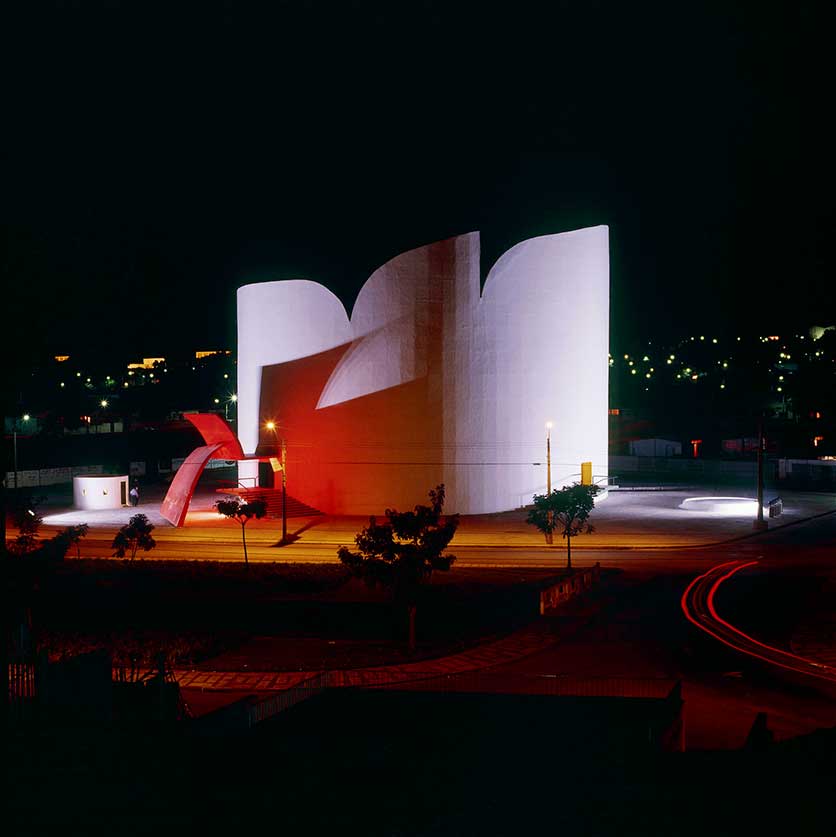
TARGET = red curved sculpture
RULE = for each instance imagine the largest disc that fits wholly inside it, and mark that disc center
(179, 494)
(215, 429)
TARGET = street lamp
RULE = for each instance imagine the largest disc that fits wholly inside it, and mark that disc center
(760, 524)
(231, 400)
(549, 457)
(271, 425)
(14, 443)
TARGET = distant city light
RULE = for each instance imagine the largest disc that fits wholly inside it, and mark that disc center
(103, 403)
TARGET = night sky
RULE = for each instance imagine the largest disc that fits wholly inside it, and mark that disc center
(156, 160)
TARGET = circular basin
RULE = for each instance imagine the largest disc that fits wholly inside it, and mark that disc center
(726, 506)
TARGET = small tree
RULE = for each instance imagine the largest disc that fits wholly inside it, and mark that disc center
(132, 537)
(566, 510)
(402, 553)
(234, 509)
(27, 520)
(73, 535)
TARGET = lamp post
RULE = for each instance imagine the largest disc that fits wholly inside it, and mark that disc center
(271, 425)
(760, 523)
(231, 400)
(14, 443)
(548, 457)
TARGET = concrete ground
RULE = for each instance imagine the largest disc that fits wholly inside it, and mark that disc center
(624, 519)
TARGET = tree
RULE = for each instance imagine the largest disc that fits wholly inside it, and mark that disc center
(566, 510)
(135, 535)
(73, 534)
(402, 553)
(27, 520)
(234, 509)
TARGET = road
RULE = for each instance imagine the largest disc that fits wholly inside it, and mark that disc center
(641, 631)
(699, 608)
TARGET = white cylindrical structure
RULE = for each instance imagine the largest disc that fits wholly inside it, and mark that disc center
(432, 379)
(100, 491)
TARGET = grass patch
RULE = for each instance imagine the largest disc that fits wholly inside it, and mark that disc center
(194, 611)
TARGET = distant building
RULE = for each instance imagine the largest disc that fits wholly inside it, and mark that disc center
(655, 447)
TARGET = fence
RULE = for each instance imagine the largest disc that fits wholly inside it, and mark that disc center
(42, 477)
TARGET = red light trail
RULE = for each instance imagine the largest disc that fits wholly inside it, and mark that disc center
(698, 606)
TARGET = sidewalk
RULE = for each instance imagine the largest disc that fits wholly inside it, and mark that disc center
(528, 640)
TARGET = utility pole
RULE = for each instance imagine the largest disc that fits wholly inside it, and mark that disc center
(284, 492)
(14, 445)
(548, 457)
(760, 523)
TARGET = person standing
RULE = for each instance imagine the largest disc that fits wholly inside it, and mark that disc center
(134, 493)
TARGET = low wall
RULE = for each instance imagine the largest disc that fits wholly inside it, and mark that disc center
(35, 478)
(684, 467)
(554, 595)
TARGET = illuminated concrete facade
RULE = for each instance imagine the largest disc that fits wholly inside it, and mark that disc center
(430, 380)
(100, 491)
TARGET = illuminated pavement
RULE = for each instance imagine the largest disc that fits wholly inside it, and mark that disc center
(625, 520)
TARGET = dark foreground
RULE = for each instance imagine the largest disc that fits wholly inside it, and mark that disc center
(404, 763)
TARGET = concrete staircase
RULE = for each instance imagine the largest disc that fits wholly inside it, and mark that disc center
(273, 499)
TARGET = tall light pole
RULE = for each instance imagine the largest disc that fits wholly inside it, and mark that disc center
(231, 400)
(271, 425)
(760, 523)
(548, 457)
(14, 443)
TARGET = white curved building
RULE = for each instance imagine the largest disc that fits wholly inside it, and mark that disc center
(430, 380)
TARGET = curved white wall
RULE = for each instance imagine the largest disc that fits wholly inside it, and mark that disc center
(429, 381)
(99, 492)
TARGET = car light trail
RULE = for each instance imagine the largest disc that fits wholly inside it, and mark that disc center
(698, 606)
